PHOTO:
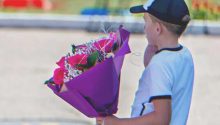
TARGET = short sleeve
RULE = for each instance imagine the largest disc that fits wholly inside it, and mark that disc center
(158, 80)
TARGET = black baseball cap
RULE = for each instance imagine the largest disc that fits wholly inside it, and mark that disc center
(171, 11)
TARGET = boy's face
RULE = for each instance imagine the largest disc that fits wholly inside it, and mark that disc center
(150, 29)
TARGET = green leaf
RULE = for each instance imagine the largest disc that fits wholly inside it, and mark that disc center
(73, 49)
(46, 82)
(49, 81)
(92, 59)
(83, 66)
(115, 47)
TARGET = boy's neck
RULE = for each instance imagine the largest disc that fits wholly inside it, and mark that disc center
(167, 42)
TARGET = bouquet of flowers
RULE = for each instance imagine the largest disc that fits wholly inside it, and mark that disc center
(88, 78)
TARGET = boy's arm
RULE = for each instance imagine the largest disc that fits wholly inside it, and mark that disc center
(160, 116)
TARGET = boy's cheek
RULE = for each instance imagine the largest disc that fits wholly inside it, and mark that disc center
(147, 35)
(149, 39)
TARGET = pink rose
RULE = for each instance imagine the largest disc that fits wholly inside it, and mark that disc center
(61, 62)
(83, 46)
(78, 59)
(113, 36)
(58, 75)
(104, 45)
(74, 60)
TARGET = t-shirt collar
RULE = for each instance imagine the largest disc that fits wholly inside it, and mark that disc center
(170, 49)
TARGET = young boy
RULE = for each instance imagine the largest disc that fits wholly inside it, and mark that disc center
(165, 88)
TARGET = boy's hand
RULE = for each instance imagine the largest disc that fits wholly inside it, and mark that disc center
(99, 121)
(109, 120)
(149, 53)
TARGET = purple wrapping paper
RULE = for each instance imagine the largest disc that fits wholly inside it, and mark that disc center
(95, 92)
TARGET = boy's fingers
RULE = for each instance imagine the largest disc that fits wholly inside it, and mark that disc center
(99, 120)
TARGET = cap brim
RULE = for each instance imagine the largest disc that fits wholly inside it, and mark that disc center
(138, 9)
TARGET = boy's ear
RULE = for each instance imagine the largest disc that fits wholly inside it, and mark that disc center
(159, 28)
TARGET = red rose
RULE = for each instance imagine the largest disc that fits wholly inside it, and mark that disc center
(113, 36)
(61, 62)
(78, 59)
(104, 45)
(74, 60)
(58, 75)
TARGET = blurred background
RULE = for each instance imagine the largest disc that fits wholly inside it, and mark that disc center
(200, 9)
(34, 34)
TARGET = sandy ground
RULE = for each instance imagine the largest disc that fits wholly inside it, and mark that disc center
(28, 58)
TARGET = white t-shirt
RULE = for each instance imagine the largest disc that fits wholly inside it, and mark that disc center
(170, 74)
